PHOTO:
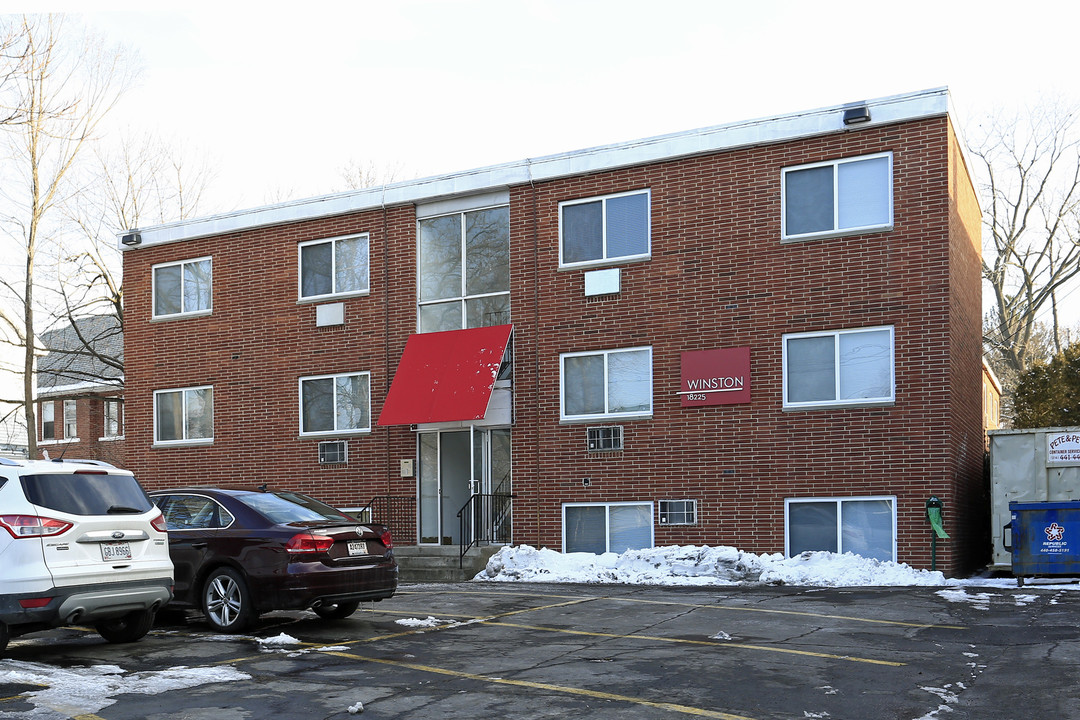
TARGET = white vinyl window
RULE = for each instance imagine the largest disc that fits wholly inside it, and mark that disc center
(184, 415)
(464, 270)
(606, 384)
(71, 429)
(840, 367)
(837, 197)
(114, 419)
(48, 420)
(335, 403)
(183, 288)
(336, 266)
(607, 527)
(864, 526)
(604, 229)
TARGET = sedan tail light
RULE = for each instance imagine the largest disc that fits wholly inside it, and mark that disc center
(29, 526)
(385, 538)
(309, 543)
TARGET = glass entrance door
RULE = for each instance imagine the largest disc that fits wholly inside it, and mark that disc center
(455, 465)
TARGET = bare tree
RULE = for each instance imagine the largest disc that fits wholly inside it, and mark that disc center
(1030, 172)
(66, 83)
(144, 180)
(359, 175)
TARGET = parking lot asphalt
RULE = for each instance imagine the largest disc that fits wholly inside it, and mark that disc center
(494, 650)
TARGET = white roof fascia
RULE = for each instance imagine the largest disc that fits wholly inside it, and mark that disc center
(87, 386)
(883, 111)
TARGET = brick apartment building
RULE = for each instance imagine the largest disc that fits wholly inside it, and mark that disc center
(763, 334)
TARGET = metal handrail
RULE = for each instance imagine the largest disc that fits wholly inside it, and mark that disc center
(393, 511)
(484, 518)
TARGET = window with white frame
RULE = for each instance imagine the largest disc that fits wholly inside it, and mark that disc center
(837, 197)
(184, 415)
(604, 229)
(71, 429)
(607, 527)
(839, 367)
(335, 266)
(335, 403)
(678, 512)
(864, 526)
(464, 268)
(114, 418)
(606, 384)
(48, 420)
(182, 288)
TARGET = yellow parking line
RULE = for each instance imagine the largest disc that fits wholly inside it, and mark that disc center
(655, 638)
(674, 707)
(852, 618)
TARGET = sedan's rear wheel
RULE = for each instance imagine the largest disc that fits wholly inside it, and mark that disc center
(226, 601)
(128, 628)
(336, 611)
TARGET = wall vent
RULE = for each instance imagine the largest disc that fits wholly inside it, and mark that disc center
(604, 439)
(333, 452)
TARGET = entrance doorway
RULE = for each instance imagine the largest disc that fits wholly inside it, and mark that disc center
(455, 466)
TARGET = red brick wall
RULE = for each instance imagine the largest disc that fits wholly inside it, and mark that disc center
(90, 429)
(718, 276)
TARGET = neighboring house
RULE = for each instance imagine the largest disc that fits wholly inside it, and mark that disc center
(764, 335)
(991, 389)
(80, 391)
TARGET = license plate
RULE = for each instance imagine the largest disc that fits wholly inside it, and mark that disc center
(357, 547)
(116, 551)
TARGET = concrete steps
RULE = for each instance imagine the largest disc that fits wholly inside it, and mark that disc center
(439, 564)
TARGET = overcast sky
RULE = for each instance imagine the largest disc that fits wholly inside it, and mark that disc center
(283, 99)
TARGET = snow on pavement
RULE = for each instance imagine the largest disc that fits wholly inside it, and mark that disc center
(70, 692)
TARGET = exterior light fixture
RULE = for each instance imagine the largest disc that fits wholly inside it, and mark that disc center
(856, 115)
(131, 239)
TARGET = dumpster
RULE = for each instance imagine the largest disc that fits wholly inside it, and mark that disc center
(1045, 539)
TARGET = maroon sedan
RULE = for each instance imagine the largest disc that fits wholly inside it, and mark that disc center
(238, 553)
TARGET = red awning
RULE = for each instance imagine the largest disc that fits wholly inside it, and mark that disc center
(445, 376)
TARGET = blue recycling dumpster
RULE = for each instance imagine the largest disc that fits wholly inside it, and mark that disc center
(1045, 539)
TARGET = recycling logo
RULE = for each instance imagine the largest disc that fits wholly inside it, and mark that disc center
(1054, 533)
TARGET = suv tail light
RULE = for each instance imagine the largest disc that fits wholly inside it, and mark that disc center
(158, 523)
(309, 543)
(26, 526)
(385, 538)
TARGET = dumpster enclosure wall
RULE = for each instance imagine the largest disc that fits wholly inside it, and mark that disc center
(1023, 468)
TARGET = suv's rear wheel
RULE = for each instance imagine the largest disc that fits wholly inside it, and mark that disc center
(336, 611)
(226, 601)
(5, 634)
(128, 628)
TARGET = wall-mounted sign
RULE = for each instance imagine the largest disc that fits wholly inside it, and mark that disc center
(715, 377)
(1063, 448)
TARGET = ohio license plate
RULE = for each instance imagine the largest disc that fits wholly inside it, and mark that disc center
(357, 547)
(116, 551)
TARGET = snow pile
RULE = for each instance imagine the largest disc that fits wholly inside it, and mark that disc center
(699, 565)
(278, 640)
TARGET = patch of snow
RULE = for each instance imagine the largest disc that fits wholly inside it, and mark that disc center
(86, 690)
(980, 601)
(281, 639)
(720, 636)
(1022, 600)
(429, 621)
(357, 708)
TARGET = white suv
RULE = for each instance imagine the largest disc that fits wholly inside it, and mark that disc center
(80, 542)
